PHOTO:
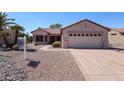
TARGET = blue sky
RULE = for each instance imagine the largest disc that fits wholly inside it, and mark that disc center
(32, 20)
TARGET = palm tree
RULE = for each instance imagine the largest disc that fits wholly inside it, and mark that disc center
(4, 35)
(16, 29)
(4, 23)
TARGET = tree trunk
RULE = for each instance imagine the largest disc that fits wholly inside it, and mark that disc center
(6, 42)
(16, 37)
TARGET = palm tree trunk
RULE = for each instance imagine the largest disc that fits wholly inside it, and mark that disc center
(5, 40)
(7, 43)
(16, 37)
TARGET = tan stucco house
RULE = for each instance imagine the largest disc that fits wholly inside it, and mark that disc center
(83, 34)
(46, 36)
(116, 36)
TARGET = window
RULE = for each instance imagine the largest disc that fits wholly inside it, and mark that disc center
(78, 34)
(70, 34)
(87, 34)
(99, 34)
(122, 33)
(45, 38)
(82, 34)
(39, 38)
(91, 34)
(74, 34)
(113, 34)
(95, 34)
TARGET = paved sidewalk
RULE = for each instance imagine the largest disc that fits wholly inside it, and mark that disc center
(50, 48)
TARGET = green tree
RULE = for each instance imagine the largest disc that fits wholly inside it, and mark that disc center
(54, 26)
(27, 35)
(29, 38)
(4, 24)
(4, 35)
(8, 26)
(17, 29)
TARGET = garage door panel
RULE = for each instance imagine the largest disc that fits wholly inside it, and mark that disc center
(85, 41)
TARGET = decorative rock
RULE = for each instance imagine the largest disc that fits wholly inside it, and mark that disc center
(9, 72)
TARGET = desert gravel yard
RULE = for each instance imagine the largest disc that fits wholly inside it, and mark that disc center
(46, 65)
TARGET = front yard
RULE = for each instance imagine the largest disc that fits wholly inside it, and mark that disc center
(45, 65)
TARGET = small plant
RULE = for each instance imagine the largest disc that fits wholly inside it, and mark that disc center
(56, 44)
(35, 43)
(15, 47)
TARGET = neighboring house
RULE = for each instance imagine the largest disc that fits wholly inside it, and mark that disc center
(116, 36)
(83, 34)
(46, 36)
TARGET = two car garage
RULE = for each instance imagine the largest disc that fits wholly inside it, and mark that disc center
(85, 40)
(85, 34)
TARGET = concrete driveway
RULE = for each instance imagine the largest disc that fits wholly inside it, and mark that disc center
(100, 64)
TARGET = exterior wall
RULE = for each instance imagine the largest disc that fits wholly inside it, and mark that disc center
(105, 39)
(115, 39)
(39, 32)
(87, 27)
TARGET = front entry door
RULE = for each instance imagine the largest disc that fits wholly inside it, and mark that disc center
(54, 38)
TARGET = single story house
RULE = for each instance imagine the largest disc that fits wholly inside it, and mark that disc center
(82, 34)
(46, 36)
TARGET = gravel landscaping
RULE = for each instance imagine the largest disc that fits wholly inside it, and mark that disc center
(8, 71)
(43, 65)
(55, 66)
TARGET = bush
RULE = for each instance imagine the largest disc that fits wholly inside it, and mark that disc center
(35, 43)
(56, 44)
(29, 39)
(15, 47)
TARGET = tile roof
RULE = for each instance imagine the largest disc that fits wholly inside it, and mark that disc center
(121, 30)
(49, 30)
(88, 21)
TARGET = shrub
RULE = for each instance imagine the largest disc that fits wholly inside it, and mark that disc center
(29, 39)
(35, 43)
(56, 44)
(15, 47)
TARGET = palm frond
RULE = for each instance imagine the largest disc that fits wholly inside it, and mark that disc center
(4, 34)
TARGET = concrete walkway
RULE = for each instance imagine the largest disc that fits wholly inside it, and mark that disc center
(100, 64)
(50, 48)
